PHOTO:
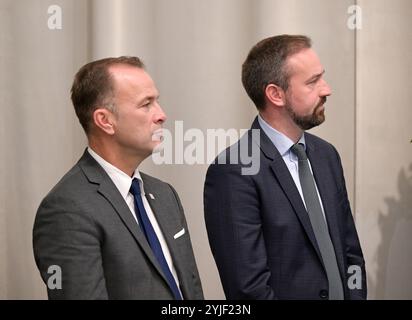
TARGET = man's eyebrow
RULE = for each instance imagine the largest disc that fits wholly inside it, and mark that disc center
(149, 98)
(315, 77)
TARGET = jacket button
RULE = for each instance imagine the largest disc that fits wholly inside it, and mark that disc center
(323, 294)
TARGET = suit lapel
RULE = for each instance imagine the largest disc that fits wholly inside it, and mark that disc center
(318, 163)
(108, 190)
(162, 210)
(287, 184)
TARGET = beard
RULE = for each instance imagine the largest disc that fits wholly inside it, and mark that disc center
(310, 121)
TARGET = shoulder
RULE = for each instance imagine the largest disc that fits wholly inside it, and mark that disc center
(77, 190)
(319, 144)
(322, 149)
(317, 141)
(157, 185)
(70, 183)
(69, 191)
(153, 182)
(70, 205)
(83, 176)
(245, 157)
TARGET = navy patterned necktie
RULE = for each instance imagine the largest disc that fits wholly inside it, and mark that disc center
(318, 223)
(151, 237)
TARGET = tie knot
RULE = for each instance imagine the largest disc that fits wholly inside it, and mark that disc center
(135, 187)
(299, 150)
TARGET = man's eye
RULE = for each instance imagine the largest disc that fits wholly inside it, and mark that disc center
(314, 81)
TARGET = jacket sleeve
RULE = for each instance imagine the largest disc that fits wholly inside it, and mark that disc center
(234, 227)
(68, 241)
(356, 287)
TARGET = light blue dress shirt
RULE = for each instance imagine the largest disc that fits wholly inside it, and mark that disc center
(283, 145)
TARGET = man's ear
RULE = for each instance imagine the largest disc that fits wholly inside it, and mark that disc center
(275, 95)
(104, 119)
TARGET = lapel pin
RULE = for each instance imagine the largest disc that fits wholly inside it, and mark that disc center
(151, 196)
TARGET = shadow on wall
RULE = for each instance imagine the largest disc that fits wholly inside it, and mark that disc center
(394, 254)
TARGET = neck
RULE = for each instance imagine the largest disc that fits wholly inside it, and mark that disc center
(282, 124)
(124, 161)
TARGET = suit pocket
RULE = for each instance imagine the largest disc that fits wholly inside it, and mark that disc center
(179, 234)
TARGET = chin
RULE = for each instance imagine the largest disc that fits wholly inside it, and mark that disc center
(158, 146)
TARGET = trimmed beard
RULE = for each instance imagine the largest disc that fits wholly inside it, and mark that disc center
(310, 121)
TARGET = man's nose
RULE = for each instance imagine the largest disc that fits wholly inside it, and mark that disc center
(325, 89)
(160, 116)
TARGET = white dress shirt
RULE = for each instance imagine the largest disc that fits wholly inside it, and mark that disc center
(123, 183)
(283, 144)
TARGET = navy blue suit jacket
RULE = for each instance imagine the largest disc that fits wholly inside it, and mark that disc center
(260, 233)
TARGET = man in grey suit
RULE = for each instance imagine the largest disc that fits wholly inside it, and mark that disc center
(111, 231)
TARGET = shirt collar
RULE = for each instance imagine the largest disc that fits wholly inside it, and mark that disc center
(121, 180)
(281, 141)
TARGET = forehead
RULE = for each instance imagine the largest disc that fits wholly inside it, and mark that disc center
(305, 63)
(132, 81)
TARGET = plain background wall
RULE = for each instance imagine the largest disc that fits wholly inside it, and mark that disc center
(384, 146)
(194, 50)
(40, 138)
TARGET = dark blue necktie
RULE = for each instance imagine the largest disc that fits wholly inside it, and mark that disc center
(151, 237)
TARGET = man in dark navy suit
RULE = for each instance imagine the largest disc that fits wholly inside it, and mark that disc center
(287, 231)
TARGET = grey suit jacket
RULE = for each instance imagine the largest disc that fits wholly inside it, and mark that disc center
(85, 227)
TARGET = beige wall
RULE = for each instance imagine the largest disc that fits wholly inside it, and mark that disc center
(194, 50)
(40, 137)
(383, 148)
